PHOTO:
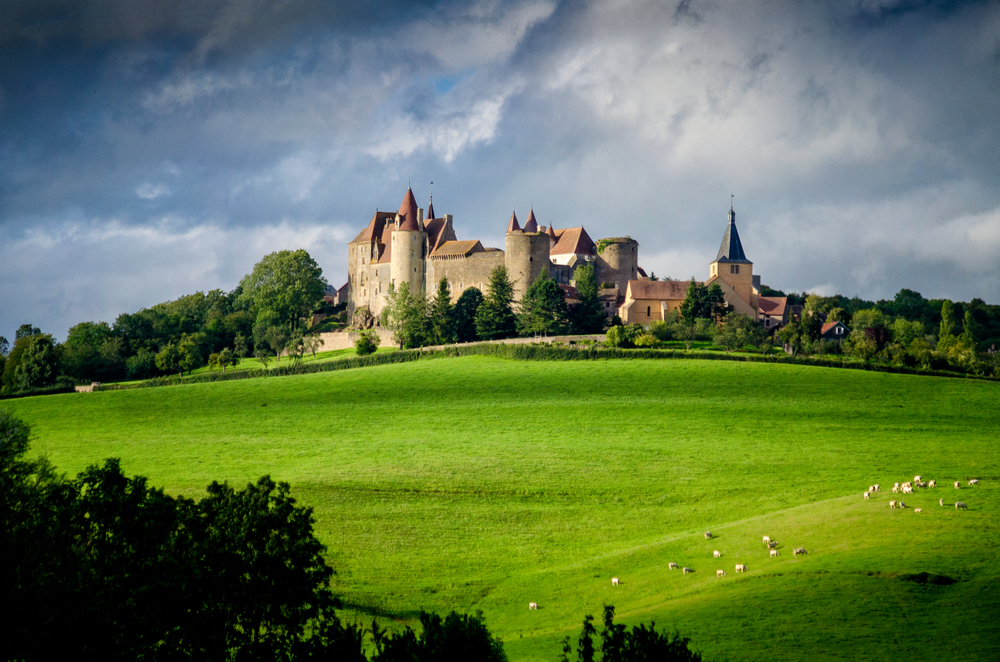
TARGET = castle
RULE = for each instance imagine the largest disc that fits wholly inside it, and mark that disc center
(408, 247)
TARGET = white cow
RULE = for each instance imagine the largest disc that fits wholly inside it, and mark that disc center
(717, 554)
(878, 488)
(896, 485)
(532, 605)
(918, 510)
(614, 581)
(720, 573)
(958, 485)
(940, 502)
(916, 479)
(895, 489)
(774, 553)
(741, 567)
(901, 505)
(871, 488)
(973, 481)
(672, 565)
(798, 550)
(892, 504)
(767, 540)
(866, 496)
(708, 535)
(686, 570)
(932, 483)
(960, 506)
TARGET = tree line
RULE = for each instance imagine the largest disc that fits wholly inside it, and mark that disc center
(263, 316)
(105, 566)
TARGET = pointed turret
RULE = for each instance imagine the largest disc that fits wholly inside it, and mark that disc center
(430, 209)
(731, 249)
(408, 213)
(532, 224)
(513, 226)
(552, 234)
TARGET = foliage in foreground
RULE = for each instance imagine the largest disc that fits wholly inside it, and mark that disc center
(619, 644)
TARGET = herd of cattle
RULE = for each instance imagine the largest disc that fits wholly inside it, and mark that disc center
(916, 483)
(904, 488)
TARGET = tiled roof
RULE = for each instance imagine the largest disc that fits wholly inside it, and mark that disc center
(552, 233)
(408, 213)
(829, 325)
(773, 305)
(385, 252)
(458, 248)
(374, 227)
(532, 223)
(430, 209)
(435, 232)
(731, 249)
(513, 226)
(658, 289)
(573, 241)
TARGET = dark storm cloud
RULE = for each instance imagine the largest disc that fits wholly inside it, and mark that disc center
(150, 149)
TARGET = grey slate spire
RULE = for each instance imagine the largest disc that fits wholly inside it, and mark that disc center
(731, 249)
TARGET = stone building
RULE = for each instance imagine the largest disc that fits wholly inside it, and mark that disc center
(408, 247)
(646, 301)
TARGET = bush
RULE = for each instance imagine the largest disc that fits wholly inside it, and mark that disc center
(367, 343)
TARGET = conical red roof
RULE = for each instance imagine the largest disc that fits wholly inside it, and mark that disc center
(551, 233)
(532, 224)
(408, 213)
(513, 226)
(430, 210)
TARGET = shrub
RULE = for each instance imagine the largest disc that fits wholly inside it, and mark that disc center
(366, 343)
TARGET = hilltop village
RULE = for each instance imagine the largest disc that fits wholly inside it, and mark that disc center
(417, 248)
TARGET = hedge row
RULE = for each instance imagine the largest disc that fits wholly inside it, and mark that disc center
(540, 352)
(39, 390)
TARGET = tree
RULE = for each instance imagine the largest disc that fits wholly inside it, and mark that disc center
(189, 352)
(82, 350)
(24, 331)
(542, 309)
(495, 317)
(703, 302)
(311, 343)
(442, 323)
(620, 644)
(397, 311)
(946, 331)
(168, 359)
(794, 338)
(4, 346)
(455, 637)
(464, 314)
(240, 348)
(367, 343)
(296, 345)
(262, 356)
(738, 331)
(34, 362)
(588, 316)
(289, 283)
(226, 358)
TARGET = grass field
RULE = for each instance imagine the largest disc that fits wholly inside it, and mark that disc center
(484, 483)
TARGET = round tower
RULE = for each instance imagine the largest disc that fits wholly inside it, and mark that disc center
(407, 246)
(526, 254)
(617, 261)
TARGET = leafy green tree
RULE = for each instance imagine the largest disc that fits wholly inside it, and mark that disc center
(495, 316)
(189, 351)
(289, 283)
(588, 316)
(34, 362)
(455, 637)
(465, 314)
(701, 302)
(4, 346)
(168, 359)
(240, 348)
(970, 330)
(542, 309)
(26, 330)
(442, 322)
(367, 343)
(312, 343)
(738, 331)
(296, 345)
(795, 338)
(946, 331)
(262, 356)
(396, 311)
(905, 332)
(226, 358)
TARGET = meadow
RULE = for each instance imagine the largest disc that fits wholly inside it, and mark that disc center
(485, 483)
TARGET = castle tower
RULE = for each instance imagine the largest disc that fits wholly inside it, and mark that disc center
(618, 262)
(731, 264)
(525, 254)
(531, 225)
(408, 242)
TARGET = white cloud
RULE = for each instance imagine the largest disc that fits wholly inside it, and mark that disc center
(149, 191)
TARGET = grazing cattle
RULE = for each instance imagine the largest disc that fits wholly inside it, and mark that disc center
(973, 481)
(672, 565)
(720, 573)
(871, 488)
(717, 554)
(960, 506)
(918, 510)
(614, 581)
(686, 570)
(877, 487)
(798, 550)
(958, 485)
(896, 485)
(708, 535)
(532, 605)
(774, 553)
(932, 483)
(892, 504)
(866, 496)
(741, 567)
(767, 540)
(940, 502)
(916, 479)
(907, 489)
(772, 544)
(922, 484)
(901, 505)
(895, 489)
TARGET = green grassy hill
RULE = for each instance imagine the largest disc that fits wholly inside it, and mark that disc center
(484, 483)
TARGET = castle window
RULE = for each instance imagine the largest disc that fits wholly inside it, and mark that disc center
(648, 309)
(531, 259)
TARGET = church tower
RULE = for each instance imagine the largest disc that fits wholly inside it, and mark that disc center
(731, 264)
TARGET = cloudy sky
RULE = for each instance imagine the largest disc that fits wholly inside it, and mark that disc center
(153, 148)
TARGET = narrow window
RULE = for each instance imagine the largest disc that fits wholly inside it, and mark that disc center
(647, 311)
